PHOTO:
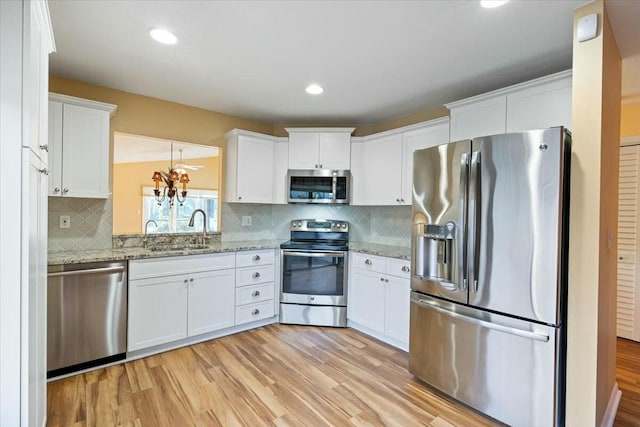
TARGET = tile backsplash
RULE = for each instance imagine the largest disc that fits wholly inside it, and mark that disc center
(91, 222)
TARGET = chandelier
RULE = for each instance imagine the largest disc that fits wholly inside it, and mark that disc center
(171, 179)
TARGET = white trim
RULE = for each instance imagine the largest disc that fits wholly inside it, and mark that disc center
(350, 130)
(378, 335)
(630, 140)
(41, 9)
(237, 132)
(97, 105)
(408, 128)
(612, 407)
(504, 91)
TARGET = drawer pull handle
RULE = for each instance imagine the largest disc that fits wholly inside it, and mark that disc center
(367, 262)
(405, 268)
(255, 312)
(256, 275)
(255, 294)
(256, 257)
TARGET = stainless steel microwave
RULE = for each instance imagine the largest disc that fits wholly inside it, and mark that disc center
(318, 186)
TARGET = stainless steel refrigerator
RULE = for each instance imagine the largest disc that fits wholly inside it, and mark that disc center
(489, 282)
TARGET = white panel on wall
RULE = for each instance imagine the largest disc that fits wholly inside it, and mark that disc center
(628, 297)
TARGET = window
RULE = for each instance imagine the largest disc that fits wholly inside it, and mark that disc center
(176, 219)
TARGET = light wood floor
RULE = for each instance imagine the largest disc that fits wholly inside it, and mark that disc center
(628, 377)
(278, 375)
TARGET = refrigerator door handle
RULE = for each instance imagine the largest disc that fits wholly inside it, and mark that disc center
(473, 253)
(462, 234)
(536, 336)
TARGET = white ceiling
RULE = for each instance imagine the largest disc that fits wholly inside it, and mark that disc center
(376, 59)
(134, 148)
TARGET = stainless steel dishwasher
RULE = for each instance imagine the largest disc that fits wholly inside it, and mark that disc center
(86, 315)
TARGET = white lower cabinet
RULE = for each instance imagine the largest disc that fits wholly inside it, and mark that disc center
(379, 295)
(179, 297)
(255, 286)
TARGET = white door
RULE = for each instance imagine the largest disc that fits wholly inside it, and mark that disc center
(335, 150)
(303, 150)
(211, 301)
(367, 300)
(255, 170)
(157, 311)
(55, 148)
(628, 301)
(382, 170)
(397, 309)
(480, 118)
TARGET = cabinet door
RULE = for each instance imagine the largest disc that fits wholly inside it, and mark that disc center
(280, 168)
(540, 107)
(418, 139)
(255, 170)
(367, 300)
(335, 150)
(211, 301)
(55, 148)
(85, 154)
(382, 170)
(157, 311)
(396, 314)
(303, 150)
(480, 118)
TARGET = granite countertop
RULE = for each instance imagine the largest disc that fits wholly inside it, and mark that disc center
(390, 251)
(119, 254)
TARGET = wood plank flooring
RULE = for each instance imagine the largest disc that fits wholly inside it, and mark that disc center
(278, 375)
(628, 377)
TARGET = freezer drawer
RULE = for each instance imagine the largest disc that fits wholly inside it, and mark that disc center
(86, 314)
(503, 367)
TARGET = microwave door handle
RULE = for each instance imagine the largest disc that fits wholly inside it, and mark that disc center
(334, 188)
(461, 233)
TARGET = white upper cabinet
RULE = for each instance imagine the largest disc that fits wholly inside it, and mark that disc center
(78, 147)
(249, 167)
(320, 148)
(536, 104)
(382, 166)
(280, 167)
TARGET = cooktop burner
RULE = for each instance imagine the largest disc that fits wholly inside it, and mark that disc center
(318, 235)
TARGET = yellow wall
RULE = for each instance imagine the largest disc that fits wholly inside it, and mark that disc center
(129, 178)
(630, 120)
(593, 223)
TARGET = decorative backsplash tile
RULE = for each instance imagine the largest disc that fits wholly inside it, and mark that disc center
(91, 224)
(377, 224)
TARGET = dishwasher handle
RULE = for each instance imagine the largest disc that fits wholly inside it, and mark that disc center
(119, 269)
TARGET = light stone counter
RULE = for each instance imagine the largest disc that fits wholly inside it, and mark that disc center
(400, 252)
(119, 254)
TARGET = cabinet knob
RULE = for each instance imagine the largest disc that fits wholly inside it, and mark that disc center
(65, 190)
(56, 190)
(239, 197)
(185, 280)
(45, 147)
(316, 165)
(191, 280)
(386, 280)
(367, 261)
(401, 200)
(256, 275)
(320, 166)
(405, 268)
(255, 294)
(382, 279)
(255, 312)
(256, 257)
(398, 200)
(44, 171)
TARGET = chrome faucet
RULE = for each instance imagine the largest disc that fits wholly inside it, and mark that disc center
(147, 225)
(204, 222)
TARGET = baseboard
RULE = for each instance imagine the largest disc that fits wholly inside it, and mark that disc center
(612, 407)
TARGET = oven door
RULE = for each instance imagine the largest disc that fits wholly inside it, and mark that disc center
(313, 277)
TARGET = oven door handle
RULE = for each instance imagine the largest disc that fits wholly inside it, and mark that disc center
(337, 254)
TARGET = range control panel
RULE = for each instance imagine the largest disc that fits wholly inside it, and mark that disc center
(322, 225)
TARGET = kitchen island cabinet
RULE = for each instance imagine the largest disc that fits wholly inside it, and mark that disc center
(379, 295)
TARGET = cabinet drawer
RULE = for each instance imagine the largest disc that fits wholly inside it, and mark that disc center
(250, 258)
(250, 313)
(160, 267)
(254, 275)
(368, 262)
(255, 293)
(398, 267)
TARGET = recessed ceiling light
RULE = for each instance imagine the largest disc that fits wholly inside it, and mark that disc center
(163, 36)
(314, 89)
(490, 4)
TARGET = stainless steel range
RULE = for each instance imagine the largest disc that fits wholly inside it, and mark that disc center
(313, 283)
